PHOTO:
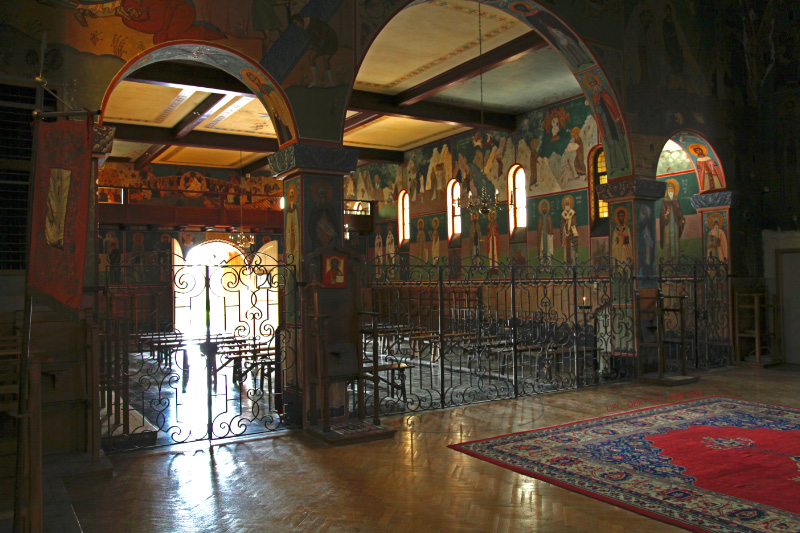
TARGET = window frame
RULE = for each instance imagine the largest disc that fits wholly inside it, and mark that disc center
(598, 177)
(454, 215)
(517, 214)
(403, 217)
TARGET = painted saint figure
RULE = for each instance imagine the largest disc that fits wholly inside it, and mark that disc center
(493, 239)
(474, 233)
(707, 170)
(435, 240)
(324, 44)
(717, 240)
(378, 249)
(576, 146)
(545, 232)
(422, 248)
(534, 163)
(292, 224)
(569, 230)
(672, 222)
(621, 244)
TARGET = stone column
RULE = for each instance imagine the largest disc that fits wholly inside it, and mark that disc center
(314, 233)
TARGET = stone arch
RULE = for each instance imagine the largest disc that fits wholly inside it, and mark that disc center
(589, 73)
(253, 75)
(704, 159)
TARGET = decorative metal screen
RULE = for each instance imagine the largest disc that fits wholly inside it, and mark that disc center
(194, 352)
(451, 335)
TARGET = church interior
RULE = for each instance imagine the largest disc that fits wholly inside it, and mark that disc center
(272, 265)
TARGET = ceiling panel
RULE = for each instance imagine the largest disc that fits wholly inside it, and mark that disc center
(155, 105)
(428, 39)
(534, 80)
(242, 115)
(128, 150)
(205, 157)
(394, 133)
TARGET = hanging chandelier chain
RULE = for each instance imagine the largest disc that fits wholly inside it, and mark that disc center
(480, 54)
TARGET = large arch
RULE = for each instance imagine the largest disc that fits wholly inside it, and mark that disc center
(586, 68)
(253, 75)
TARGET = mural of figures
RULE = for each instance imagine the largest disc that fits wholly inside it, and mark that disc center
(544, 228)
(292, 222)
(378, 248)
(324, 222)
(422, 242)
(609, 125)
(434, 239)
(324, 44)
(493, 239)
(671, 223)
(552, 147)
(647, 241)
(716, 238)
(391, 248)
(559, 35)
(708, 172)
(621, 242)
(474, 233)
(569, 230)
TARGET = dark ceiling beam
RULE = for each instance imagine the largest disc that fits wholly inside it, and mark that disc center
(485, 62)
(359, 119)
(210, 105)
(258, 164)
(197, 139)
(146, 158)
(173, 74)
(448, 114)
(380, 156)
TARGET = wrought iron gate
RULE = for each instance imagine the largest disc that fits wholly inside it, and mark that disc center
(704, 287)
(195, 352)
(450, 335)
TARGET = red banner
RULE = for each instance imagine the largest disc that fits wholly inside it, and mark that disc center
(60, 211)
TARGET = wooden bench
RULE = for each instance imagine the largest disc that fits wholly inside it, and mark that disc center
(369, 371)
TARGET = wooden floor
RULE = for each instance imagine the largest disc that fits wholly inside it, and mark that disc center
(412, 483)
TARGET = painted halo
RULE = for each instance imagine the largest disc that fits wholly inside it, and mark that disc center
(564, 201)
(697, 146)
(712, 217)
(542, 203)
(624, 211)
(675, 185)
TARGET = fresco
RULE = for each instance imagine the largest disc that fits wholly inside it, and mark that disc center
(554, 144)
(481, 161)
(291, 224)
(170, 185)
(709, 171)
(715, 233)
(427, 172)
(622, 246)
(646, 243)
(429, 238)
(378, 182)
(679, 226)
(322, 216)
(558, 228)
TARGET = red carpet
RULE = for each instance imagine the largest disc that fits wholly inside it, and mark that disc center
(714, 464)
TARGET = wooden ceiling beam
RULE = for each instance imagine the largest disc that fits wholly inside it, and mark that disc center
(210, 105)
(376, 155)
(359, 119)
(485, 62)
(197, 139)
(180, 75)
(148, 157)
(258, 164)
(448, 114)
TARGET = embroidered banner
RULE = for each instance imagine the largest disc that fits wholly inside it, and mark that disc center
(60, 212)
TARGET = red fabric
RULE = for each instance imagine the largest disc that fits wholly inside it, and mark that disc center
(52, 271)
(762, 469)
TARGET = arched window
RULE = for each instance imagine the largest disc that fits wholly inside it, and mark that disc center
(517, 202)
(599, 177)
(403, 218)
(453, 209)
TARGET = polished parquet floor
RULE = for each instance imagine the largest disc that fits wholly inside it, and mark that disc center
(413, 483)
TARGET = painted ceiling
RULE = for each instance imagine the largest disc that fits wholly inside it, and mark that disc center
(421, 44)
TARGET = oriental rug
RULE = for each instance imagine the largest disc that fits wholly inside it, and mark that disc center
(714, 464)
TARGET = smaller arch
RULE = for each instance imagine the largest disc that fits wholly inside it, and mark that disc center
(253, 75)
(453, 208)
(706, 163)
(517, 200)
(403, 217)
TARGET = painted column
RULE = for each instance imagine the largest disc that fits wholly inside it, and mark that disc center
(314, 237)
